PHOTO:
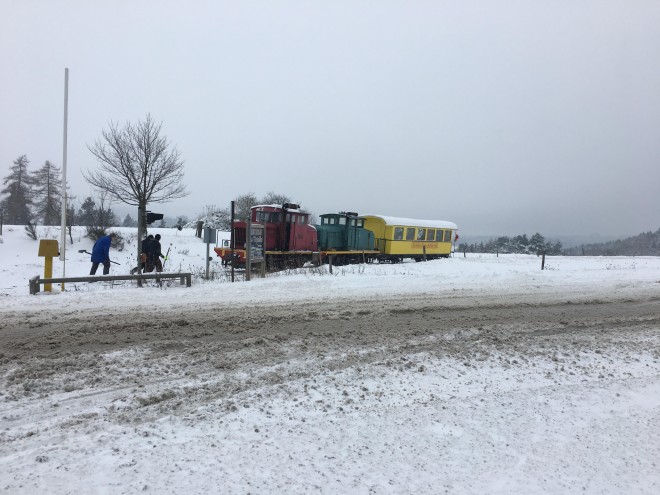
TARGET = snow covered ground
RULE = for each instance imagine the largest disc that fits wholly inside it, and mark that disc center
(477, 374)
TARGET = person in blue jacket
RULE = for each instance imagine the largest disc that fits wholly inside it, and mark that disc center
(101, 253)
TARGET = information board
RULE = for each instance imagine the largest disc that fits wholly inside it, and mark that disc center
(256, 243)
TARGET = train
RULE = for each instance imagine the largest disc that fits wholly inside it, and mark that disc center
(290, 241)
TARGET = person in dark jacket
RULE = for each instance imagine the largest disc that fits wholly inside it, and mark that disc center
(144, 255)
(156, 254)
(101, 253)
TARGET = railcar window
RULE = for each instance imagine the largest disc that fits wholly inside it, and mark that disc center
(420, 234)
(430, 234)
(398, 233)
(438, 235)
(410, 234)
(447, 235)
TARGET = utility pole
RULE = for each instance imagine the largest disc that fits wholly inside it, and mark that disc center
(231, 239)
(64, 147)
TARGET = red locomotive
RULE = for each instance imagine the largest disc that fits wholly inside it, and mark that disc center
(289, 239)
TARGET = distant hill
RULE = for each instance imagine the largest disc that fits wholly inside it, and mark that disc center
(646, 244)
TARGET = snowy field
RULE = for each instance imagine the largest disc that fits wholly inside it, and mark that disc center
(477, 374)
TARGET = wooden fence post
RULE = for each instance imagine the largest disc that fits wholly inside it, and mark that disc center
(543, 261)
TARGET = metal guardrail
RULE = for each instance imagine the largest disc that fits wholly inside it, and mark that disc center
(184, 277)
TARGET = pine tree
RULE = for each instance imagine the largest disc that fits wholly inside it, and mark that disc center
(47, 193)
(87, 213)
(537, 244)
(129, 222)
(18, 184)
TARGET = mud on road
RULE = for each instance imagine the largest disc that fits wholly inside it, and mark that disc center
(229, 350)
(134, 396)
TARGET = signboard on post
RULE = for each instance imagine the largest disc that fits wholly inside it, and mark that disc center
(257, 244)
(255, 248)
(210, 235)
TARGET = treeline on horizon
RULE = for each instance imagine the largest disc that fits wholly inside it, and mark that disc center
(645, 244)
(520, 244)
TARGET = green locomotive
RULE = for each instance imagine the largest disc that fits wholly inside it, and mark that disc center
(343, 236)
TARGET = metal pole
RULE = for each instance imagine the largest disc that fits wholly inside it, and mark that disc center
(231, 240)
(248, 254)
(208, 245)
(140, 238)
(64, 146)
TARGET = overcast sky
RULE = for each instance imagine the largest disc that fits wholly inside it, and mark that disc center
(504, 117)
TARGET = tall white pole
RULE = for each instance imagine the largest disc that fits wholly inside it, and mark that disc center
(66, 118)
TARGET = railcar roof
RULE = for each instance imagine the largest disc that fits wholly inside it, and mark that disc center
(414, 222)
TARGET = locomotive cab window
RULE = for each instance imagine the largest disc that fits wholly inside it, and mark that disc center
(342, 220)
(398, 233)
(410, 234)
(360, 223)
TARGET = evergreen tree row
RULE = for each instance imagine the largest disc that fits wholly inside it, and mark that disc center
(35, 198)
(645, 244)
(520, 244)
(32, 196)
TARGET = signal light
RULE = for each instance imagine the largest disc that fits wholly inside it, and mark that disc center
(152, 217)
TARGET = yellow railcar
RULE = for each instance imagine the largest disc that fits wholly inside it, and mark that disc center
(399, 238)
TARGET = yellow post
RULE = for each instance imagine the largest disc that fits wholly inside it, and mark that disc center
(48, 248)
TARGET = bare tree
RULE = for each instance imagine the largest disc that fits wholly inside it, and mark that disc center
(243, 205)
(137, 167)
(271, 198)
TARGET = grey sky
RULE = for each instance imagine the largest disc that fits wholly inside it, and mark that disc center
(502, 116)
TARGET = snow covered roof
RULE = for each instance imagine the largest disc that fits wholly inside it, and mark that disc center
(414, 222)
